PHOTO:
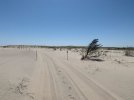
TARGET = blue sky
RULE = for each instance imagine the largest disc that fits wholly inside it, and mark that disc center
(67, 22)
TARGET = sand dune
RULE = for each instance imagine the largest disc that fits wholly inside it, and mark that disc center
(53, 77)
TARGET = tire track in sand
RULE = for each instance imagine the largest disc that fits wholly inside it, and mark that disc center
(85, 85)
(42, 83)
(63, 84)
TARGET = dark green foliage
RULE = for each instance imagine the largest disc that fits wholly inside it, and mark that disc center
(93, 46)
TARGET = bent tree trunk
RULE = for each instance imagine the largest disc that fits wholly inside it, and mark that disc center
(93, 46)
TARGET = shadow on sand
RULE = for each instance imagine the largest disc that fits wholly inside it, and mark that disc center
(93, 59)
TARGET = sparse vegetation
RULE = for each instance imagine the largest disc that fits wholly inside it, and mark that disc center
(129, 52)
(92, 48)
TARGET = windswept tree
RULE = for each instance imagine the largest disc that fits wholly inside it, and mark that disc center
(92, 48)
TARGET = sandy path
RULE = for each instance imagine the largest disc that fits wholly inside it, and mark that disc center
(55, 79)
(52, 77)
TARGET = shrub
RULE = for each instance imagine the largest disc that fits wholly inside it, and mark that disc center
(92, 48)
(129, 52)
